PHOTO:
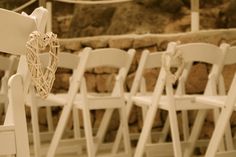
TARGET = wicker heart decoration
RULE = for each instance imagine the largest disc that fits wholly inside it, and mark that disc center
(42, 78)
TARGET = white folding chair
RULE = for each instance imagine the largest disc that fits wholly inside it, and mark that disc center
(14, 33)
(227, 105)
(147, 61)
(84, 101)
(176, 101)
(8, 65)
(66, 61)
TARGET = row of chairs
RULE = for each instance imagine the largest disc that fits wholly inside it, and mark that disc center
(172, 101)
(164, 97)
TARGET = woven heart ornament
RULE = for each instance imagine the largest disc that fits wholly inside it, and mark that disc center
(167, 59)
(42, 78)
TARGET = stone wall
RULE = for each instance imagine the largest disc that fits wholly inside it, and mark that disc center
(99, 80)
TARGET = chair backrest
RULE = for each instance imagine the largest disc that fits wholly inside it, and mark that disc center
(65, 60)
(188, 53)
(201, 52)
(147, 61)
(14, 33)
(111, 57)
(108, 57)
(205, 53)
(15, 29)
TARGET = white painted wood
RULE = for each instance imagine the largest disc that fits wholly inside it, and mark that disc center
(14, 33)
(91, 59)
(200, 117)
(67, 61)
(17, 102)
(228, 105)
(189, 53)
(222, 121)
(18, 35)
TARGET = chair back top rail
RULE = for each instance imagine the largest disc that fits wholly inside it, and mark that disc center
(111, 57)
(202, 52)
(15, 29)
(65, 60)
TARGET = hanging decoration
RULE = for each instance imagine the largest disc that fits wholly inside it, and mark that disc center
(42, 77)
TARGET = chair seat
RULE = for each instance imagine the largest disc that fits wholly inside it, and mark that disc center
(212, 100)
(186, 102)
(96, 100)
(51, 100)
(7, 128)
(100, 101)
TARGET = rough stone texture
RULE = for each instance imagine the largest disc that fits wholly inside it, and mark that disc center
(151, 77)
(71, 46)
(95, 22)
(228, 74)
(121, 43)
(105, 82)
(105, 70)
(142, 42)
(99, 43)
(98, 118)
(197, 79)
(144, 16)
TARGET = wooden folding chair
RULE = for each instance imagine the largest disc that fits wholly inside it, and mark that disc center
(8, 65)
(91, 59)
(147, 61)
(14, 33)
(175, 101)
(227, 105)
(66, 61)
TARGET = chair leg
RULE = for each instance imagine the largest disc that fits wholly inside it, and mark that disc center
(201, 115)
(117, 141)
(103, 127)
(119, 131)
(216, 113)
(36, 132)
(49, 119)
(88, 132)
(175, 132)
(218, 133)
(149, 140)
(144, 114)
(147, 126)
(185, 124)
(126, 137)
(229, 138)
(165, 130)
(59, 131)
(76, 128)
